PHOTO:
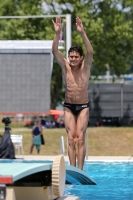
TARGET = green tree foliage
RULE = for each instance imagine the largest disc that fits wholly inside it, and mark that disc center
(24, 29)
(109, 26)
(57, 92)
(116, 40)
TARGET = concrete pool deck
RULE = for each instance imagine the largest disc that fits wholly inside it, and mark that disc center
(90, 158)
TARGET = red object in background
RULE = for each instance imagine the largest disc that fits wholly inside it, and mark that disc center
(56, 117)
(56, 112)
(27, 123)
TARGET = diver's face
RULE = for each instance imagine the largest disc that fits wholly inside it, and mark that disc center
(74, 59)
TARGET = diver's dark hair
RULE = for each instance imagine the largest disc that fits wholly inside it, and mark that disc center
(77, 49)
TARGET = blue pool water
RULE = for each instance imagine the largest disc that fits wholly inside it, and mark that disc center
(114, 181)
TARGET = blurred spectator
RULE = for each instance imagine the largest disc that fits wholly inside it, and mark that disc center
(47, 125)
(52, 124)
(36, 139)
(62, 125)
(43, 122)
(99, 123)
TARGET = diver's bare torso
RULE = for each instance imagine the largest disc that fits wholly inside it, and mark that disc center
(76, 83)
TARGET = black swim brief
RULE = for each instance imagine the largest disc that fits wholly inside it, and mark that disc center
(76, 108)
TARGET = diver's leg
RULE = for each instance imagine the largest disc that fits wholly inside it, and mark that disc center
(70, 125)
(82, 123)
